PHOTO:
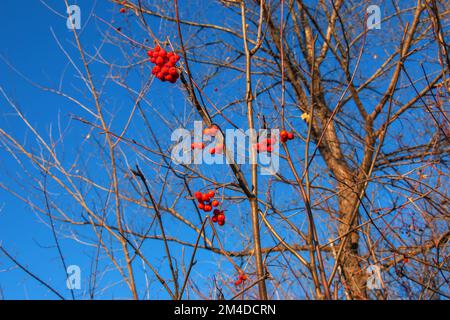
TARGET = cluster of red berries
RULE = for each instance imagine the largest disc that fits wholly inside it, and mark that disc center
(285, 136)
(204, 200)
(123, 9)
(242, 278)
(218, 217)
(211, 131)
(165, 69)
(265, 145)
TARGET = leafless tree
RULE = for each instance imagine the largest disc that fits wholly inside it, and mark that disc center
(364, 183)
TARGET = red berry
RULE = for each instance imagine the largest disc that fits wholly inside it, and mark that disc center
(159, 61)
(215, 203)
(214, 219)
(170, 64)
(198, 195)
(196, 145)
(150, 53)
(177, 57)
(217, 212)
(284, 136)
(201, 206)
(221, 223)
(207, 208)
(160, 76)
(173, 71)
(155, 55)
(290, 136)
(168, 77)
(157, 48)
(238, 282)
(212, 131)
(152, 60)
(219, 148)
(211, 194)
(165, 70)
(205, 197)
(162, 53)
(122, 10)
(221, 218)
(156, 70)
(173, 59)
(169, 54)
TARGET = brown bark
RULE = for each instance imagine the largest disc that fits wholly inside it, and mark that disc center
(350, 259)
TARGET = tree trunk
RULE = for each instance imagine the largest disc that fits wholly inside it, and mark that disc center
(355, 277)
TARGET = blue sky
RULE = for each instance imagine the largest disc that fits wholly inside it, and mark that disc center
(30, 45)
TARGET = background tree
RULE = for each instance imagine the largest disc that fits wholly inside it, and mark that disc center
(363, 184)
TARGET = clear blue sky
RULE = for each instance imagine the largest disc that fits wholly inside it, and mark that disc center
(29, 46)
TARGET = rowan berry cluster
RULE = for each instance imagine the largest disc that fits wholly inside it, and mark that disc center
(265, 145)
(211, 131)
(123, 9)
(165, 68)
(218, 217)
(242, 277)
(206, 201)
(285, 136)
